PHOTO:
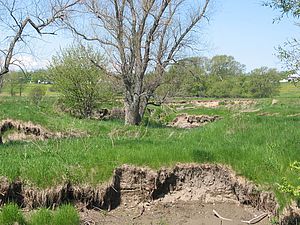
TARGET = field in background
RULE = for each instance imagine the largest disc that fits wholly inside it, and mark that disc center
(290, 90)
(6, 91)
(258, 142)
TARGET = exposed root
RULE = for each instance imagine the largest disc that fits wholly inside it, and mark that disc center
(29, 131)
(192, 121)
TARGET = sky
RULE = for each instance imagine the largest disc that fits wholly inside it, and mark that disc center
(243, 29)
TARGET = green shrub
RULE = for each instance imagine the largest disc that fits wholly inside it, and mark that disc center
(11, 215)
(289, 187)
(77, 76)
(36, 94)
(42, 216)
(66, 215)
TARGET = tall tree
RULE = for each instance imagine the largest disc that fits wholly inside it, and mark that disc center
(142, 37)
(224, 65)
(17, 16)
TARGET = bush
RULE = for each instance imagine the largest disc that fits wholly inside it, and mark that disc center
(36, 94)
(11, 215)
(77, 76)
(66, 215)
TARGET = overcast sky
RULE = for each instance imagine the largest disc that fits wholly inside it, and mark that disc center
(241, 28)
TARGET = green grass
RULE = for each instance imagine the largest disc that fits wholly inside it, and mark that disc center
(11, 215)
(64, 215)
(258, 147)
(290, 90)
(6, 90)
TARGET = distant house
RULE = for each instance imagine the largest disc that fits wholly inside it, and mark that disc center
(293, 78)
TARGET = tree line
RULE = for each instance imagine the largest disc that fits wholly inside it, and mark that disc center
(84, 82)
(220, 76)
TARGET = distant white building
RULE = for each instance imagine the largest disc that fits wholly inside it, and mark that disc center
(291, 78)
(294, 77)
(283, 81)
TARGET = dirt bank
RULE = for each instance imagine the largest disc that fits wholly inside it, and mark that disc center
(191, 121)
(22, 131)
(228, 103)
(143, 189)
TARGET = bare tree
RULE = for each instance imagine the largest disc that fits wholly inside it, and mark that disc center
(142, 37)
(17, 16)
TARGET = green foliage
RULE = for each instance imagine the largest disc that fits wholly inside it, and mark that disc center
(11, 215)
(42, 216)
(76, 75)
(264, 83)
(288, 187)
(36, 94)
(286, 7)
(66, 215)
(220, 77)
(223, 66)
(39, 75)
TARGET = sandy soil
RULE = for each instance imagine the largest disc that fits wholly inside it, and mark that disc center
(159, 213)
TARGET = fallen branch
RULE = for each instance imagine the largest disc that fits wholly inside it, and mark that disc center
(255, 219)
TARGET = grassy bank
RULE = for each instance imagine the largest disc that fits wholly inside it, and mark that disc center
(259, 144)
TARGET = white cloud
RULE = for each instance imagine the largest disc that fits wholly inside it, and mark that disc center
(29, 63)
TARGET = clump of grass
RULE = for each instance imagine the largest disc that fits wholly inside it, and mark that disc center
(11, 215)
(42, 216)
(66, 215)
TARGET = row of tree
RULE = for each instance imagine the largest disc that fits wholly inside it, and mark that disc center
(220, 76)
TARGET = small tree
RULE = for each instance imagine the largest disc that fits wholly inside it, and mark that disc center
(76, 75)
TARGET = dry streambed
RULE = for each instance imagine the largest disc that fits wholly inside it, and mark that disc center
(141, 195)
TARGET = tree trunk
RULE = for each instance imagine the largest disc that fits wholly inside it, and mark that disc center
(1, 84)
(132, 112)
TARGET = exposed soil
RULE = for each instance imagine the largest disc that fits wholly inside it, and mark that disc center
(243, 103)
(192, 121)
(181, 212)
(20, 131)
(294, 115)
(184, 194)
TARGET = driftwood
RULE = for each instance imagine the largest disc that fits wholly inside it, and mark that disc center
(256, 219)
(252, 221)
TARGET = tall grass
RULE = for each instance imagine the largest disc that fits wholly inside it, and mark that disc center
(64, 215)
